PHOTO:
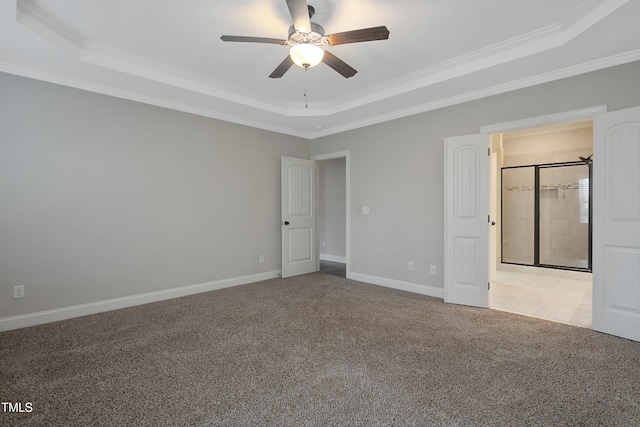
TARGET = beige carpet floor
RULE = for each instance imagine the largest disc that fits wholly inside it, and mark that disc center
(316, 350)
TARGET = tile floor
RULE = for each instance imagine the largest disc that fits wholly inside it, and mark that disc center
(557, 295)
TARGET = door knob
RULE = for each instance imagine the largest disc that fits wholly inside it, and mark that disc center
(286, 223)
(493, 223)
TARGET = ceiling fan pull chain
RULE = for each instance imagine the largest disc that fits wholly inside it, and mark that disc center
(306, 105)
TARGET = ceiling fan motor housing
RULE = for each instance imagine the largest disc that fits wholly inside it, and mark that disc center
(316, 36)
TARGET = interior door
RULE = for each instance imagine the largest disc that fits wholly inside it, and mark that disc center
(616, 223)
(299, 249)
(466, 271)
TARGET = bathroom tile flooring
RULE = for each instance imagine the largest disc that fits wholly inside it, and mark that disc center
(564, 297)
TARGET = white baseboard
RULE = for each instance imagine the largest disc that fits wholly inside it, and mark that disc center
(397, 284)
(333, 258)
(41, 317)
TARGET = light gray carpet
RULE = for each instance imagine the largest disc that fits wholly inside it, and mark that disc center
(317, 350)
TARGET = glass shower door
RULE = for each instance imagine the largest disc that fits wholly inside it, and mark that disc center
(546, 215)
(564, 216)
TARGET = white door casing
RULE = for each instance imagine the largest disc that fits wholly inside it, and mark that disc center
(616, 223)
(299, 251)
(466, 272)
(493, 212)
(346, 155)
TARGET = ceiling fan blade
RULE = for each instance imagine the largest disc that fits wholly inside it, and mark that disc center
(357, 36)
(338, 64)
(247, 39)
(300, 15)
(282, 68)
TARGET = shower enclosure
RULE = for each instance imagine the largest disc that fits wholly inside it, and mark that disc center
(546, 215)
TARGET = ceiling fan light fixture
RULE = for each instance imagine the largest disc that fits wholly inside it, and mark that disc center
(306, 55)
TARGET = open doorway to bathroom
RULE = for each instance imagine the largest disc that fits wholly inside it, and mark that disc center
(543, 243)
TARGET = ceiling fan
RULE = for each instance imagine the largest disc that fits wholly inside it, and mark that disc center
(306, 39)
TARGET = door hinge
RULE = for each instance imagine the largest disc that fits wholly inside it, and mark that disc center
(489, 219)
(489, 151)
(489, 285)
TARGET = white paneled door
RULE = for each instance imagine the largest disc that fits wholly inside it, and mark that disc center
(616, 223)
(299, 251)
(466, 271)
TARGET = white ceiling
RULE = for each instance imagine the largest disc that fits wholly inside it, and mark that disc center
(169, 53)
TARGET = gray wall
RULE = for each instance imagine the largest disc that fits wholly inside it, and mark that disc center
(103, 198)
(332, 207)
(397, 167)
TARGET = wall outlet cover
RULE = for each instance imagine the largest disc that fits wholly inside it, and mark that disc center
(18, 292)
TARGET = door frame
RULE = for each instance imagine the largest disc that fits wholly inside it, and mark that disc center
(347, 156)
(546, 120)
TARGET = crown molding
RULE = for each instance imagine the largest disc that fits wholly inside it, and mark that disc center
(114, 59)
(540, 40)
(566, 72)
(43, 24)
(422, 108)
(579, 20)
(587, 15)
(145, 99)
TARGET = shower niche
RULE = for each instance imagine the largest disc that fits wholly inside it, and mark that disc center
(546, 215)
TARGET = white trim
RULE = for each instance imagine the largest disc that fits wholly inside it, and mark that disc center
(422, 108)
(333, 258)
(400, 285)
(35, 19)
(546, 120)
(549, 119)
(38, 318)
(347, 156)
(525, 45)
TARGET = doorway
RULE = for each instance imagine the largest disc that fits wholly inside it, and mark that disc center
(616, 216)
(542, 252)
(333, 213)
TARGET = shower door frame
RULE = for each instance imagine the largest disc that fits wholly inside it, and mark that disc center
(536, 209)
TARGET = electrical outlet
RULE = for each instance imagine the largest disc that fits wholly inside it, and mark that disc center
(18, 292)
(412, 267)
(261, 259)
(432, 269)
